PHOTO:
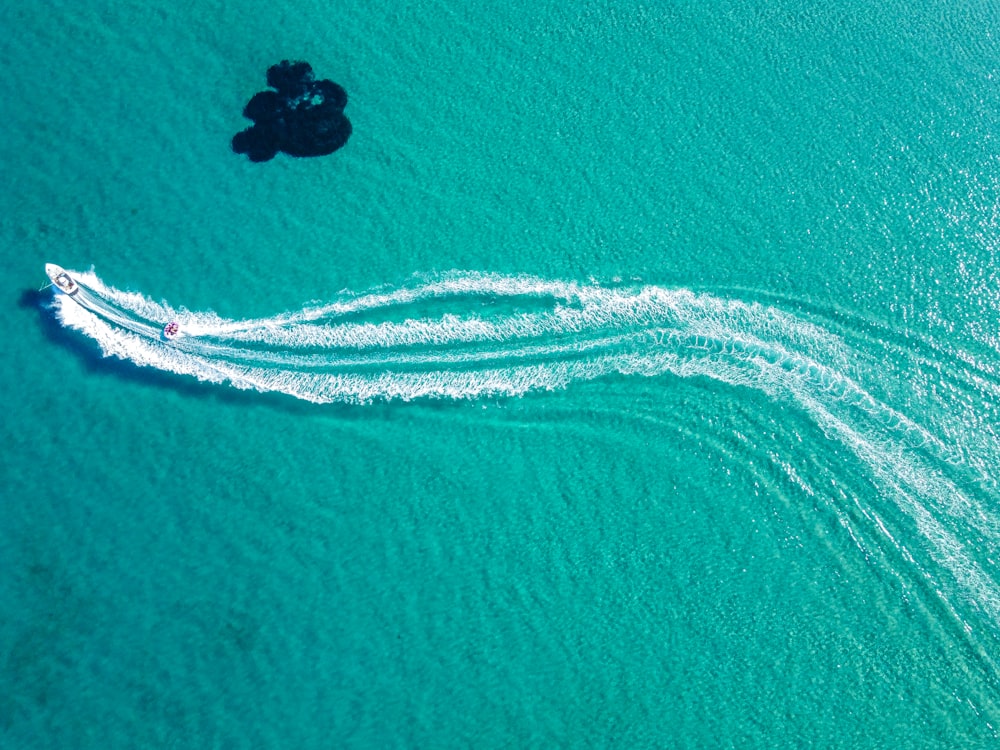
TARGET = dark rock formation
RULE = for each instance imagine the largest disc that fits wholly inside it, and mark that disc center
(302, 116)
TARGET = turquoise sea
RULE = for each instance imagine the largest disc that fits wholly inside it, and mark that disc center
(631, 378)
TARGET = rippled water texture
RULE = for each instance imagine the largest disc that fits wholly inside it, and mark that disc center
(696, 448)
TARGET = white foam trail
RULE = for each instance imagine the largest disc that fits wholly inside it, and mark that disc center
(432, 339)
(585, 331)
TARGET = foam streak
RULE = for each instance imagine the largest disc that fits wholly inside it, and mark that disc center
(466, 335)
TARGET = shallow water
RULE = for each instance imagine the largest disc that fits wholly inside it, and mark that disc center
(629, 379)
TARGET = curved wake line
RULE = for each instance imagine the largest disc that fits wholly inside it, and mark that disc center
(323, 353)
(468, 335)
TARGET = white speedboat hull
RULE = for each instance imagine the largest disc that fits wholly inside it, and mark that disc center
(61, 280)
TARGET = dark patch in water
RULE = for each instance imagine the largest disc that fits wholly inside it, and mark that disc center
(301, 117)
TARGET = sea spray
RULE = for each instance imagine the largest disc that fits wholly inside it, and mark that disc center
(472, 335)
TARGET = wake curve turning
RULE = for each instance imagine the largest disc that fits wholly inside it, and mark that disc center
(470, 335)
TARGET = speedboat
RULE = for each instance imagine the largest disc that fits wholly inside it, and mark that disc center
(171, 330)
(60, 279)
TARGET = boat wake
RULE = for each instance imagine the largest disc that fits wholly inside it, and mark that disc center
(466, 335)
(469, 335)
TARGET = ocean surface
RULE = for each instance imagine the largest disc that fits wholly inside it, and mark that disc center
(631, 378)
